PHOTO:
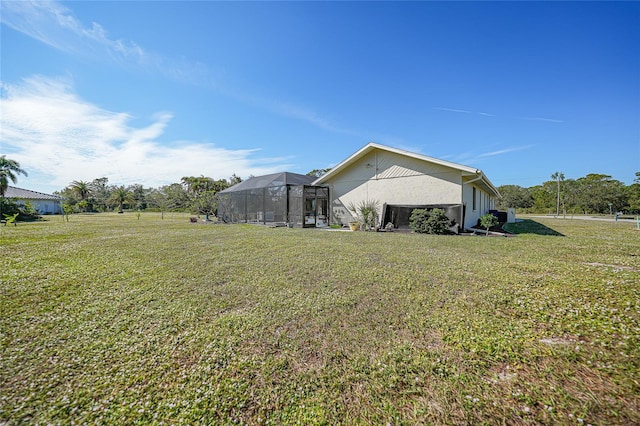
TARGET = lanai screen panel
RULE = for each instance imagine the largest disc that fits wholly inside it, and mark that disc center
(296, 206)
(275, 203)
(255, 205)
(232, 207)
(261, 199)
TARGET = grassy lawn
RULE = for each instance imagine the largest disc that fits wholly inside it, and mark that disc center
(111, 319)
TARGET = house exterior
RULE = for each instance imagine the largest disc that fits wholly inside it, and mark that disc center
(42, 203)
(401, 181)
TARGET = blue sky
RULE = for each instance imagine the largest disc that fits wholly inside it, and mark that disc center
(148, 92)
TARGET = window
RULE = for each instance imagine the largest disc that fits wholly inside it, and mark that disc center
(474, 199)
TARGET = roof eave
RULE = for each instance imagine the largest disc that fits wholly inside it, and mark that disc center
(489, 186)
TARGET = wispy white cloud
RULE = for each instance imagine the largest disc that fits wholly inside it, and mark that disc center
(291, 110)
(52, 23)
(464, 111)
(50, 130)
(453, 110)
(485, 114)
(471, 158)
(55, 25)
(504, 151)
(549, 120)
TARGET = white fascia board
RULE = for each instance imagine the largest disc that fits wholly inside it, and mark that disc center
(484, 181)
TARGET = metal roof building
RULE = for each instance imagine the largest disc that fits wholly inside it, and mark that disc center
(43, 203)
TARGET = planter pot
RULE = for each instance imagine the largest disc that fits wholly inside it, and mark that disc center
(354, 226)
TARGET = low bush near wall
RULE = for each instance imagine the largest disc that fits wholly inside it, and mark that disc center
(432, 221)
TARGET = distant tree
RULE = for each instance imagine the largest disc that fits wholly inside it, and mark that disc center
(514, 196)
(558, 176)
(138, 196)
(9, 169)
(121, 196)
(206, 204)
(632, 193)
(234, 179)
(68, 195)
(177, 196)
(100, 193)
(159, 199)
(597, 191)
(82, 190)
(220, 185)
(202, 193)
(318, 172)
(543, 199)
(570, 195)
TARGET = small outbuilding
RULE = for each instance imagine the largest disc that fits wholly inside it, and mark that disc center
(401, 181)
(42, 203)
(277, 199)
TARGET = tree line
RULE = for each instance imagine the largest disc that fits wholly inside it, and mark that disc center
(195, 194)
(592, 194)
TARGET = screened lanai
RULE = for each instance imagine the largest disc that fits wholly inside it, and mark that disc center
(279, 198)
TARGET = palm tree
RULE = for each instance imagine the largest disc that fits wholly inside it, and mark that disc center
(9, 169)
(121, 195)
(82, 190)
(558, 176)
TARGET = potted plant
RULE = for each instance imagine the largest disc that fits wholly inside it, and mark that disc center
(366, 213)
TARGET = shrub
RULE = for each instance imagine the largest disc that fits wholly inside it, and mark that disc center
(487, 221)
(9, 206)
(432, 221)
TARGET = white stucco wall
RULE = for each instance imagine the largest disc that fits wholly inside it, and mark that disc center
(483, 204)
(393, 179)
(48, 207)
(43, 206)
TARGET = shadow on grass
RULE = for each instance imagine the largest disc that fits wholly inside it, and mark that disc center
(528, 226)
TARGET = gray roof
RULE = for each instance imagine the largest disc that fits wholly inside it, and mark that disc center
(275, 179)
(26, 194)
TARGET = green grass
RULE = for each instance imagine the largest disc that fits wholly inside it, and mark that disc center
(110, 319)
